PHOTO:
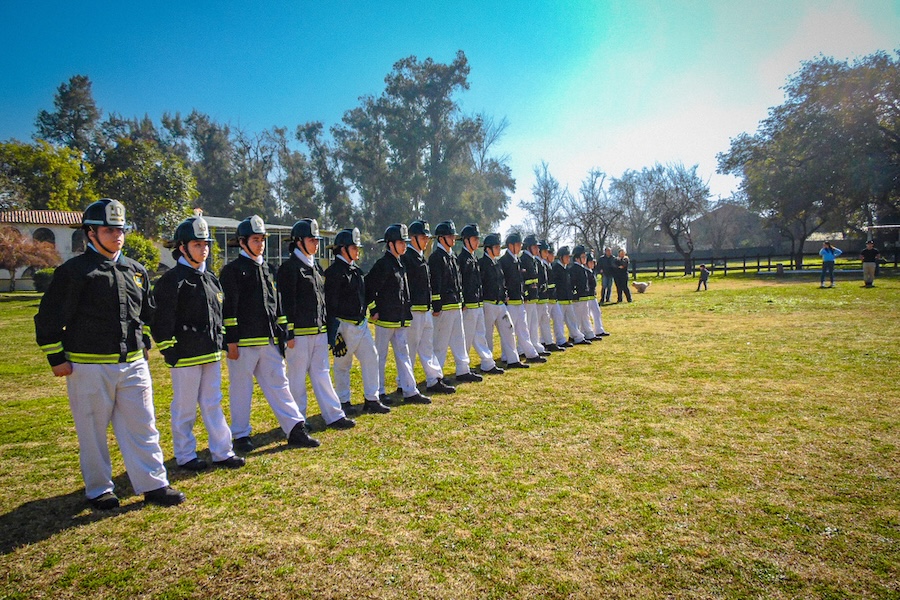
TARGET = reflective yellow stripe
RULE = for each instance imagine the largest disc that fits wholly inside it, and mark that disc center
(371, 305)
(349, 322)
(551, 286)
(543, 301)
(515, 302)
(193, 361)
(474, 304)
(310, 330)
(494, 302)
(435, 297)
(420, 308)
(102, 359)
(451, 306)
(282, 320)
(254, 341)
(231, 322)
(146, 329)
(387, 324)
(564, 302)
(166, 344)
(530, 281)
(52, 348)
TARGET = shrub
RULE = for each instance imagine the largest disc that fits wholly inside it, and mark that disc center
(42, 279)
(139, 248)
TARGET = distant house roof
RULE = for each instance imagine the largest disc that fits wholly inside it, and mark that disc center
(41, 217)
(226, 223)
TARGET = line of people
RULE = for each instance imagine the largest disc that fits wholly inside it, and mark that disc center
(96, 321)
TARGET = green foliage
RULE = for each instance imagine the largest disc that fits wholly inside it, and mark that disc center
(42, 279)
(40, 176)
(156, 188)
(72, 123)
(141, 249)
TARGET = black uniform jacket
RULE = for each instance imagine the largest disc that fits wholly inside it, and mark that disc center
(471, 279)
(564, 291)
(592, 284)
(302, 289)
(493, 285)
(188, 326)
(252, 307)
(580, 285)
(515, 282)
(543, 281)
(446, 285)
(387, 292)
(529, 265)
(345, 292)
(95, 311)
(607, 265)
(418, 277)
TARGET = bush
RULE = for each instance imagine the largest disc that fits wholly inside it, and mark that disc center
(42, 279)
(139, 248)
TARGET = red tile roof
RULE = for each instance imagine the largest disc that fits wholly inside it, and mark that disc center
(41, 217)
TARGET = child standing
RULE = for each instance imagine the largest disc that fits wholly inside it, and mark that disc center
(704, 277)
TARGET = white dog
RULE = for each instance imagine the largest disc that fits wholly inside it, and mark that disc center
(641, 286)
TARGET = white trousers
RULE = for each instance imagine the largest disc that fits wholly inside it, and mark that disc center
(200, 385)
(544, 323)
(309, 357)
(583, 318)
(361, 345)
(266, 364)
(396, 337)
(449, 333)
(523, 336)
(559, 322)
(496, 315)
(474, 329)
(420, 341)
(532, 312)
(597, 315)
(571, 317)
(121, 394)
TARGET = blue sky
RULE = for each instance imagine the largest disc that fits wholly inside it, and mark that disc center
(613, 85)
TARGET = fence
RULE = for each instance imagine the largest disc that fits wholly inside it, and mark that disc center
(663, 267)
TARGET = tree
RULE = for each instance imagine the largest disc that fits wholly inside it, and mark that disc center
(332, 196)
(546, 211)
(212, 165)
(73, 122)
(294, 184)
(17, 251)
(40, 176)
(593, 215)
(156, 188)
(631, 194)
(677, 197)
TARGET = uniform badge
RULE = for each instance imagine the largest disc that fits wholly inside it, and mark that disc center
(220, 297)
(139, 280)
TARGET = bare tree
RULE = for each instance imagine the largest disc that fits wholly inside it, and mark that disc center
(593, 214)
(678, 196)
(631, 194)
(546, 212)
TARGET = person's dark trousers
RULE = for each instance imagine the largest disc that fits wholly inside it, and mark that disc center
(606, 284)
(622, 286)
(827, 271)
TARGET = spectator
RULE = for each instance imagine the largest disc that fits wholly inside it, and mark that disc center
(704, 277)
(828, 254)
(607, 265)
(869, 256)
(621, 276)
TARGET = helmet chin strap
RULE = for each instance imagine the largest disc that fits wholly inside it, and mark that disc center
(99, 243)
(186, 252)
(303, 247)
(246, 248)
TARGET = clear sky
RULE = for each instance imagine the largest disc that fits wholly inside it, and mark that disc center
(614, 85)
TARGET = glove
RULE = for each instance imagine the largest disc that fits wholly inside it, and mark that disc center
(339, 348)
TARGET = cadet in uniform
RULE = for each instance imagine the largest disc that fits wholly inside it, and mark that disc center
(301, 283)
(473, 303)
(254, 324)
(515, 294)
(564, 295)
(387, 296)
(446, 302)
(496, 314)
(530, 260)
(580, 276)
(93, 326)
(348, 328)
(593, 305)
(188, 330)
(547, 295)
(556, 311)
(420, 336)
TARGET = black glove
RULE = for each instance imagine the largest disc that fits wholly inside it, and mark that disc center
(339, 347)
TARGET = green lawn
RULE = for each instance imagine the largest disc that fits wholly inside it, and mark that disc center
(735, 443)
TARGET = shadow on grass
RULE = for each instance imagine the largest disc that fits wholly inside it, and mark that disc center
(40, 519)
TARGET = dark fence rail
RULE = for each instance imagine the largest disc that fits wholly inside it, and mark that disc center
(675, 267)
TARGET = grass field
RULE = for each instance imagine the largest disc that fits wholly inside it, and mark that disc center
(738, 443)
